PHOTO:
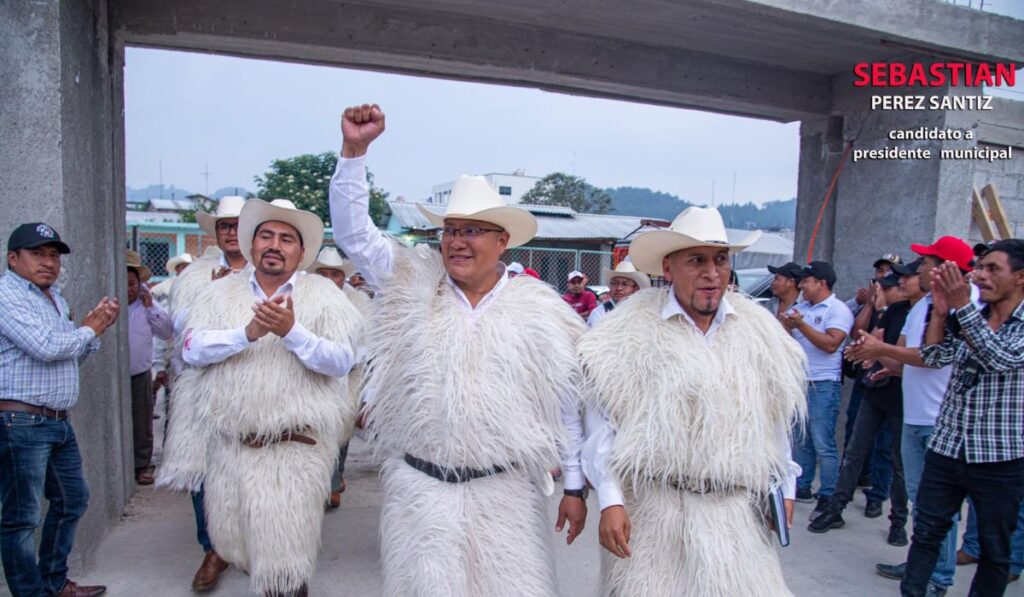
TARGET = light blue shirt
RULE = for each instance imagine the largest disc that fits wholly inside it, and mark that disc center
(40, 346)
(829, 314)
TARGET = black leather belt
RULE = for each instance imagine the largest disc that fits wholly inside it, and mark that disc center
(453, 474)
(703, 486)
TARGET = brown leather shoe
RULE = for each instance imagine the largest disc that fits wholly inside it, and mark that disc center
(963, 558)
(208, 575)
(144, 476)
(75, 590)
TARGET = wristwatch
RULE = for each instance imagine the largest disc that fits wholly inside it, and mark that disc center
(577, 493)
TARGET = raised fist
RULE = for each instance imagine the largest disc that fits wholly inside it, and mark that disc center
(360, 125)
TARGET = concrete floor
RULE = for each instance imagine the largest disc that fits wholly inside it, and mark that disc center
(153, 552)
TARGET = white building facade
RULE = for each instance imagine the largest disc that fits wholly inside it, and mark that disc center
(511, 187)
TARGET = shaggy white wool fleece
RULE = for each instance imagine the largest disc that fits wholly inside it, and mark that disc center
(488, 536)
(184, 454)
(687, 408)
(469, 391)
(476, 390)
(265, 505)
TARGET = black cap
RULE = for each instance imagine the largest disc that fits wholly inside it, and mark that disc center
(821, 271)
(790, 270)
(890, 280)
(981, 249)
(37, 234)
(909, 269)
(890, 258)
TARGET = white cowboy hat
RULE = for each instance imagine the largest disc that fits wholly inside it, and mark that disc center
(330, 258)
(626, 269)
(228, 207)
(473, 199)
(175, 261)
(212, 251)
(134, 261)
(257, 211)
(695, 227)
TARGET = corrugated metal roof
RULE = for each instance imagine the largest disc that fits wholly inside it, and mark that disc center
(562, 223)
(172, 204)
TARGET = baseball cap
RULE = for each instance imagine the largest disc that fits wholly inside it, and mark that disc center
(36, 234)
(890, 258)
(575, 274)
(821, 271)
(531, 272)
(910, 269)
(948, 248)
(981, 248)
(890, 280)
(515, 267)
(790, 270)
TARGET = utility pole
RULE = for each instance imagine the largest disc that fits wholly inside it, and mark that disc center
(206, 175)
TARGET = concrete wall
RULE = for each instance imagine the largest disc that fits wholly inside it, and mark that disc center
(883, 206)
(62, 162)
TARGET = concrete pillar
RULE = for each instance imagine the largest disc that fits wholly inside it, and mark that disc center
(62, 161)
(880, 205)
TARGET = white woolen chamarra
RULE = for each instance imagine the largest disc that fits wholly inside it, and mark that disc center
(686, 408)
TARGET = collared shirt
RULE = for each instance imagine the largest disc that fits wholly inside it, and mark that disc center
(373, 255)
(982, 413)
(143, 325)
(40, 346)
(599, 312)
(829, 314)
(207, 347)
(601, 433)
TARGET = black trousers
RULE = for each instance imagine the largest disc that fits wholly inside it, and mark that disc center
(870, 420)
(995, 489)
(142, 419)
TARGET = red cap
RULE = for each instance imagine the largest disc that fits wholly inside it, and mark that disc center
(948, 248)
(530, 272)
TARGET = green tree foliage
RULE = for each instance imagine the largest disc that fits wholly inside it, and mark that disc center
(305, 179)
(559, 188)
(203, 203)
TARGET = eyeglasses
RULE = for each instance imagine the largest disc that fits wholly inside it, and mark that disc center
(621, 284)
(467, 232)
(227, 226)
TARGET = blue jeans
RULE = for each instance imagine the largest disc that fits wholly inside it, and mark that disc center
(817, 445)
(914, 446)
(197, 506)
(972, 546)
(39, 458)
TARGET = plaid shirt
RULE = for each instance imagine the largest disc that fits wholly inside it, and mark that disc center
(983, 411)
(40, 346)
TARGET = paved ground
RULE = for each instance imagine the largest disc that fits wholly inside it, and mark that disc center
(153, 552)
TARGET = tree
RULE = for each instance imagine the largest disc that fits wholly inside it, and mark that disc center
(203, 203)
(304, 180)
(559, 188)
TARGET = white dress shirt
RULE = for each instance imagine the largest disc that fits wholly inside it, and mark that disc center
(373, 255)
(206, 347)
(601, 434)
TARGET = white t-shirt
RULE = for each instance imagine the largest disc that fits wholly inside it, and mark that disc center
(923, 387)
(829, 314)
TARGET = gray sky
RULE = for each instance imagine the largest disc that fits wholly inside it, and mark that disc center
(236, 115)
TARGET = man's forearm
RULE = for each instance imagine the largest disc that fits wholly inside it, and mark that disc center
(354, 232)
(820, 340)
(902, 354)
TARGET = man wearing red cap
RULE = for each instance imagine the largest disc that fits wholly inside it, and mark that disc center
(923, 391)
(977, 449)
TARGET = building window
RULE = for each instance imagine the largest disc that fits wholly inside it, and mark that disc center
(155, 253)
(507, 191)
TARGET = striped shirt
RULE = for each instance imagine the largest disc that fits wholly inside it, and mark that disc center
(40, 346)
(982, 414)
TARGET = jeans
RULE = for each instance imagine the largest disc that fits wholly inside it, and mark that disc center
(972, 547)
(878, 466)
(197, 506)
(39, 458)
(817, 445)
(871, 420)
(995, 488)
(915, 445)
(339, 471)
